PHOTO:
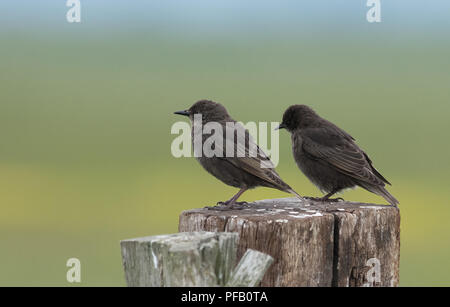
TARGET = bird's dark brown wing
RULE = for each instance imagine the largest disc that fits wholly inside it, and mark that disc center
(339, 152)
(250, 158)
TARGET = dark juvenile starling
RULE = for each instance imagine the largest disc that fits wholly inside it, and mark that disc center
(328, 155)
(244, 166)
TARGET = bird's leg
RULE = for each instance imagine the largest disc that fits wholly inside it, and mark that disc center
(327, 197)
(233, 199)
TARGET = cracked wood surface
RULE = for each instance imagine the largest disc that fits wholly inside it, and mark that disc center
(312, 243)
(179, 260)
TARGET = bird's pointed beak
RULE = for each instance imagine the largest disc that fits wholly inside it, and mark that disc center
(184, 113)
(281, 126)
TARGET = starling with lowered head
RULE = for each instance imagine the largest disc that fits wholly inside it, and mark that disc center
(240, 162)
(328, 155)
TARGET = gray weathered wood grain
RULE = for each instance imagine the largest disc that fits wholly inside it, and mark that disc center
(183, 259)
(250, 270)
(313, 243)
(367, 239)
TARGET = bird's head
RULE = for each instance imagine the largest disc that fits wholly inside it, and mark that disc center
(297, 117)
(210, 110)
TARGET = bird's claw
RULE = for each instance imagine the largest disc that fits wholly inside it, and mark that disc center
(332, 200)
(322, 199)
(225, 205)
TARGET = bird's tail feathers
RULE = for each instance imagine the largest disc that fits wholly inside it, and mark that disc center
(386, 195)
(380, 190)
(295, 193)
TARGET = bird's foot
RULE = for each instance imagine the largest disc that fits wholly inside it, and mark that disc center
(324, 199)
(226, 205)
(333, 200)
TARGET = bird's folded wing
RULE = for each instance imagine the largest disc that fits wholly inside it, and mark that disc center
(341, 153)
(249, 157)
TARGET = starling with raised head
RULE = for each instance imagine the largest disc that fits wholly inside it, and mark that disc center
(328, 155)
(241, 164)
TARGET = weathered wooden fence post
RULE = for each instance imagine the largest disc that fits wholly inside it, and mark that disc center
(313, 243)
(190, 259)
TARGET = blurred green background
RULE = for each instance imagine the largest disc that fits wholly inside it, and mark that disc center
(86, 111)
